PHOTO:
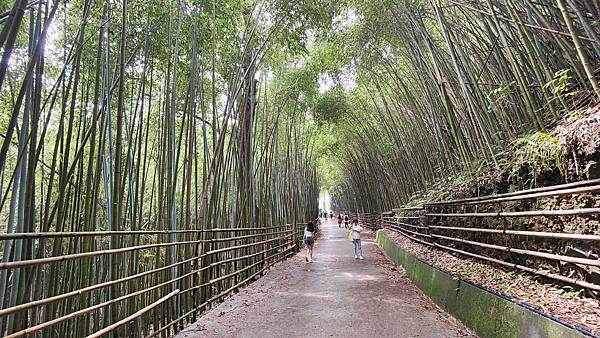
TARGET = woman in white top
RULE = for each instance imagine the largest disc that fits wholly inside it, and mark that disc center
(356, 230)
(309, 240)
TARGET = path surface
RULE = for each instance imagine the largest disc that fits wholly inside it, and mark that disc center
(336, 296)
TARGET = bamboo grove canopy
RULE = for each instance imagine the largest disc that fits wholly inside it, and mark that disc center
(444, 85)
(140, 134)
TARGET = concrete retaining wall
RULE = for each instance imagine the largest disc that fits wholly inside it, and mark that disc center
(486, 313)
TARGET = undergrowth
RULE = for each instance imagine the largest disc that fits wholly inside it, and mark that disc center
(569, 152)
(535, 155)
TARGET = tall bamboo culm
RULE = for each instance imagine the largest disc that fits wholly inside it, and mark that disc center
(145, 171)
(445, 85)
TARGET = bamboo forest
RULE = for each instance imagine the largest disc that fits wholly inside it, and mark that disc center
(167, 166)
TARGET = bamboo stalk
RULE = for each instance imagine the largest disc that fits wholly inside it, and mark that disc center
(585, 63)
(545, 29)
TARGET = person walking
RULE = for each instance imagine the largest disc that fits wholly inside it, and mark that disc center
(340, 221)
(346, 221)
(356, 230)
(309, 241)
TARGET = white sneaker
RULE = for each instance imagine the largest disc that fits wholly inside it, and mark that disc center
(361, 257)
(355, 257)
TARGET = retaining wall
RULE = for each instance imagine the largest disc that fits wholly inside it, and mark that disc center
(488, 314)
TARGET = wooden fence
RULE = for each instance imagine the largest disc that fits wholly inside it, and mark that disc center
(178, 275)
(512, 230)
(372, 220)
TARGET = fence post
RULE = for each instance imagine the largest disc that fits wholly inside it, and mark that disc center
(425, 222)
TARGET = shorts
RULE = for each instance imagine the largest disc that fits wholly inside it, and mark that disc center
(309, 241)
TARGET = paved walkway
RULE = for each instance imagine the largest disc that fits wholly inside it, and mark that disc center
(336, 296)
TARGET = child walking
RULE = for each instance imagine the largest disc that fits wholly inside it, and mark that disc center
(309, 240)
(356, 230)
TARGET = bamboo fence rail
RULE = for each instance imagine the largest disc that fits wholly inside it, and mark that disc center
(215, 298)
(372, 219)
(555, 190)
(223, 270)
(501, 245)
(132, 317)
(5, 236)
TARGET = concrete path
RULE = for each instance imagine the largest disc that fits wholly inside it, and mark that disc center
(336, 296)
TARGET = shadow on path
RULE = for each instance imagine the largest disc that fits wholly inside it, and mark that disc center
(336, 296)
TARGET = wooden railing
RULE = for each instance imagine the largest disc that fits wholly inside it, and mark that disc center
(506, 229)
(178, 275)
(372, 220)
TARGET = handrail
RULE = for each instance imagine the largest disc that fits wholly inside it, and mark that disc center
(417, 225)
(222, 251)
(516, 193)
(23, 235)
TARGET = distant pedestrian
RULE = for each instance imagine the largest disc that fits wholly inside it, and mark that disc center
(309, 240)
(340, 221)
(356, 230)
(346, 221)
